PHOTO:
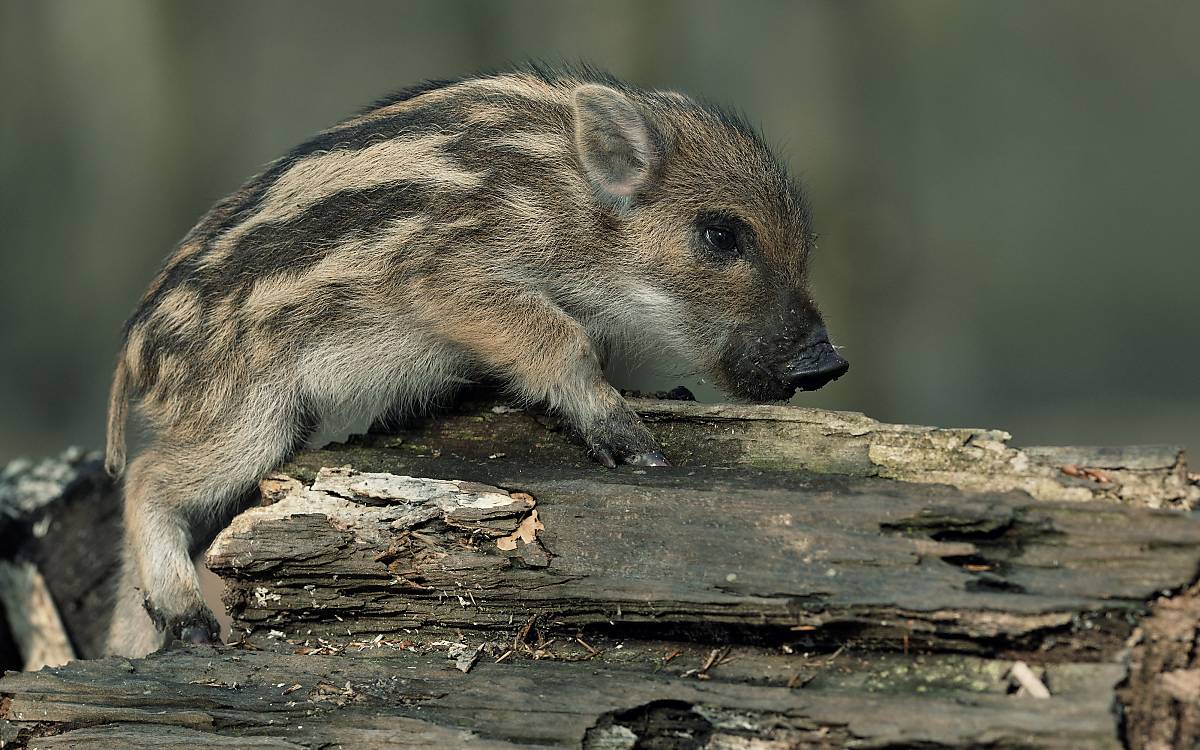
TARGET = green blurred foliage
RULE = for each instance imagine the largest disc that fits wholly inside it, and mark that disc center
(1005, 191)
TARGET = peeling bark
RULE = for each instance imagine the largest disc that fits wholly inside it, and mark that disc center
(1162, 693)
(690, 549)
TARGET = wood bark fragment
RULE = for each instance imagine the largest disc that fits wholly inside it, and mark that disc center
(1030, 683)
(1161, 695)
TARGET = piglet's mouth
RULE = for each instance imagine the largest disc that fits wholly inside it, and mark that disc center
(812, 368)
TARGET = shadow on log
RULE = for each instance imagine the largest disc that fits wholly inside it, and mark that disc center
(799, 579)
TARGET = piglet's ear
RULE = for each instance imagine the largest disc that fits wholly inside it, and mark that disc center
(614, 143)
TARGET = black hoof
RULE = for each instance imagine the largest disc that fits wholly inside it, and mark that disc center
(603, 456)
(197, 629)
(650, 458)
(198, 635)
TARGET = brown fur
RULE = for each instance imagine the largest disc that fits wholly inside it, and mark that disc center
(515, 226)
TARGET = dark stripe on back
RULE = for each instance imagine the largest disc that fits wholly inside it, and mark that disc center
(290, 246)
(422, 121)
(225, 215)
(294, 245)
(441, 117)
(333, 304)
(286, 247)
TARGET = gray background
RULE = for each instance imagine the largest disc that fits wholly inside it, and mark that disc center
(1006, 192)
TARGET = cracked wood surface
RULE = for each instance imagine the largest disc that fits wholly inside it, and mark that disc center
(400, 699)
(783, 437)
(799, 579)
(681, 548)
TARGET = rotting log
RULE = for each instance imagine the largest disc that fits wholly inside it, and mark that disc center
(674, 551)
(784, 438)
(799, 579)
(386, 698)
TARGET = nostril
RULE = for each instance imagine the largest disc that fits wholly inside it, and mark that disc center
(816, 366)
(839, 369)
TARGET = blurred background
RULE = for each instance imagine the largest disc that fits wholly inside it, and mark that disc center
(1006, 192)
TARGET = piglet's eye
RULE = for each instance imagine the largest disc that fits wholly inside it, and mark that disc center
(721, 239)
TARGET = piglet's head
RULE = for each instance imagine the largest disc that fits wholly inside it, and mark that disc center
(711, 237)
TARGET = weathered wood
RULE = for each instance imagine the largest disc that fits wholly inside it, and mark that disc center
(1161, 697)
(61, 517)
(400, 699)
(782, 437)
(682, 548)
(799, 579)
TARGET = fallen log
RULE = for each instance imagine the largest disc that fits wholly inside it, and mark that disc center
(400, 699)
(799, 579)
(760, 556)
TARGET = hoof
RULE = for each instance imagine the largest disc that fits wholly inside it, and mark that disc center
(651, 458)
(198, 635)
(603, 456)
(197, 629)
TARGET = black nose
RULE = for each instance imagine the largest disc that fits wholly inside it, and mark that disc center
(816, 365)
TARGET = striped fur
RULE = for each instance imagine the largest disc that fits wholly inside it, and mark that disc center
(516, 225)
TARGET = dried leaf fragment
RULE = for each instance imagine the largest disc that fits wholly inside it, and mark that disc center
(1082, 472)
(276, 486)
(525, 532)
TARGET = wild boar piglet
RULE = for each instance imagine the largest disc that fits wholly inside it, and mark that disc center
(514, 227)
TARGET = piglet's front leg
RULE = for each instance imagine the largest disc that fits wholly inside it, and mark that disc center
(618, 435)
(546, 357)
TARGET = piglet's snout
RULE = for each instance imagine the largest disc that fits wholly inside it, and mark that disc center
(816, 364)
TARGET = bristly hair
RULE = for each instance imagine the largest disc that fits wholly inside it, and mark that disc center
(553, 73)
(539, 69)
(730, 117)
(412, 92)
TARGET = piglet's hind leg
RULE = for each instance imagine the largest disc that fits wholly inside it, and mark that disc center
(173, 490)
